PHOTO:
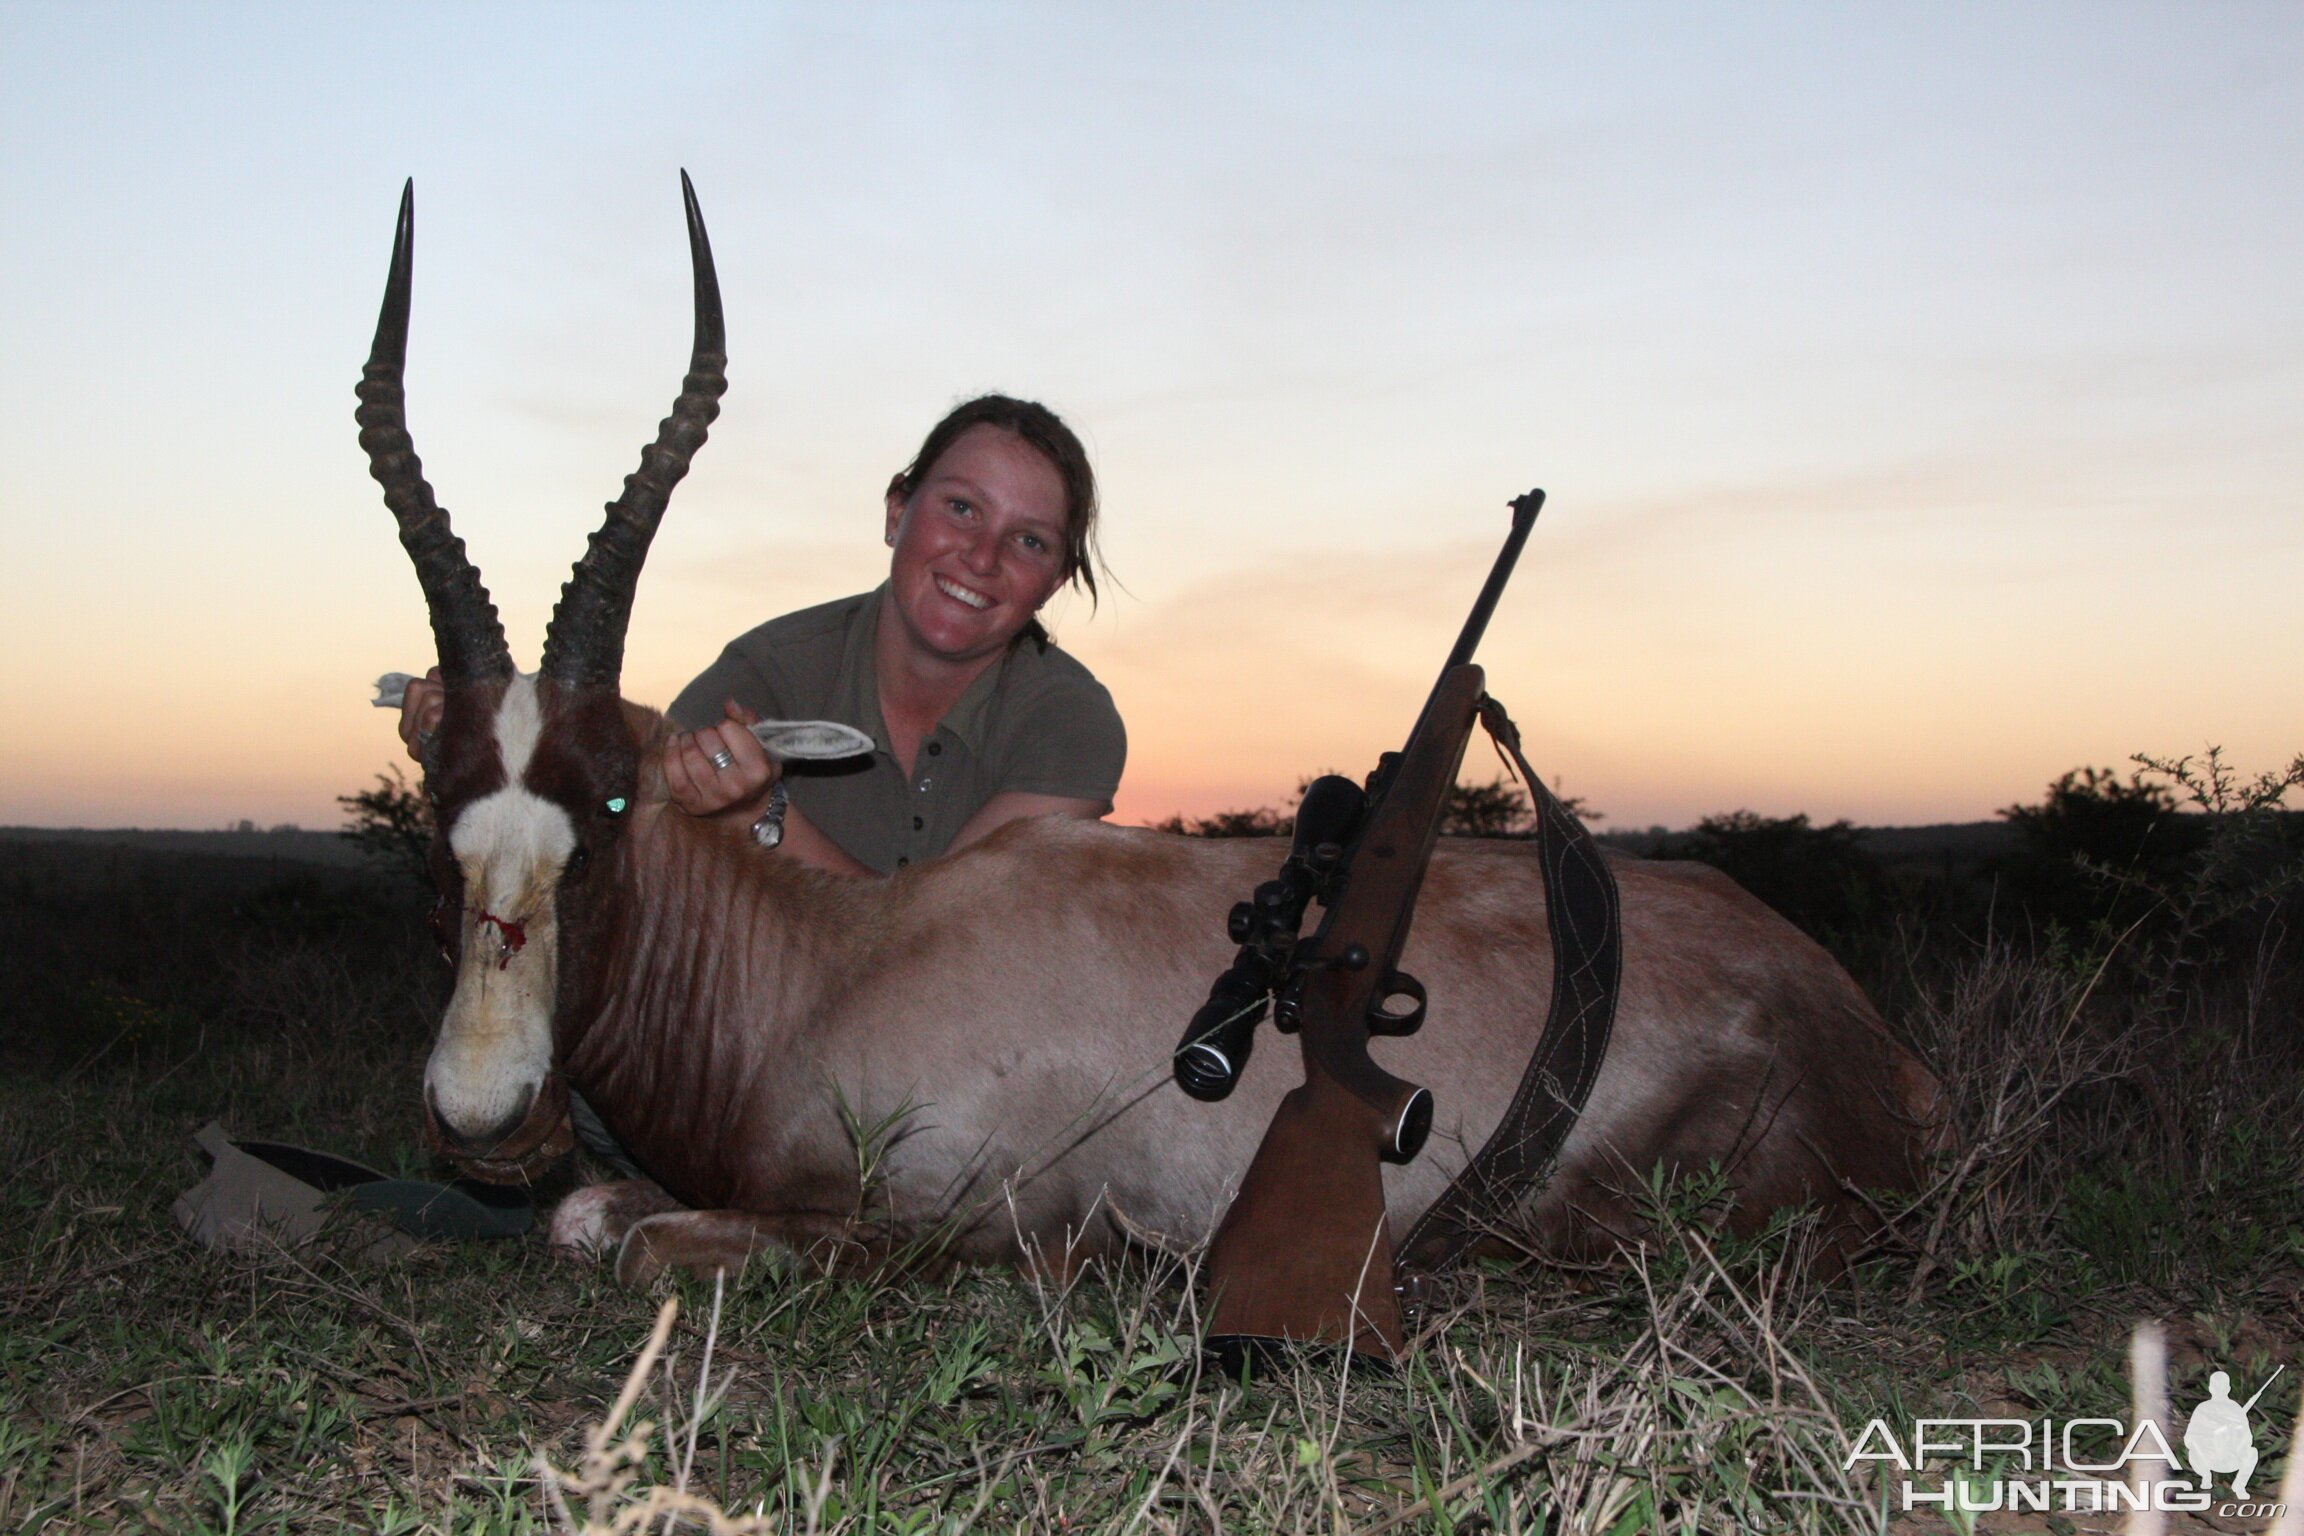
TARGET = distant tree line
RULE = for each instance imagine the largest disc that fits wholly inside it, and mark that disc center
(1499, 808)
(2183, 856)
(2177, 852)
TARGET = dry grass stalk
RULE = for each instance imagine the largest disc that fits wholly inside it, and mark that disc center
(2148, 1378)
(2009, 1048)
(604, 1478)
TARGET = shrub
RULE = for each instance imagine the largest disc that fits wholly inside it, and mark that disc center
(1819, 878)
(393, 822)
(2090, 854)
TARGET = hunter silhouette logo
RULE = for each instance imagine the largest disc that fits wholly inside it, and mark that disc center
(2217, 1438)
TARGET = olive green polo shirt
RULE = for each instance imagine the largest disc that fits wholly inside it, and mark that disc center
(1036, 722)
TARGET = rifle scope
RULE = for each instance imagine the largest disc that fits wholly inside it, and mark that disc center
(1217, 1042)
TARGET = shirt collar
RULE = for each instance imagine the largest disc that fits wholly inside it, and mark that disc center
(968, 718)
(856, 695)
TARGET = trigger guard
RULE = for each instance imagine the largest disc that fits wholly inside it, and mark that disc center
(1383, 1021)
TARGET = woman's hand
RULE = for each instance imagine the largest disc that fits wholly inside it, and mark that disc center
(420, 709)
(720, 767)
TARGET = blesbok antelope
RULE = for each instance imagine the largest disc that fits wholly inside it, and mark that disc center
(979, 1048)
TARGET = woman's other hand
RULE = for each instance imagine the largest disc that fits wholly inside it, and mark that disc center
(719, 767)
(420, 709)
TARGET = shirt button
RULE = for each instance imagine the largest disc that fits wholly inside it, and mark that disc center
(935, 749)
(901, 862)
(918, 823)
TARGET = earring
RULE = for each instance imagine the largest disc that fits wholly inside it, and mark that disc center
(891, 538)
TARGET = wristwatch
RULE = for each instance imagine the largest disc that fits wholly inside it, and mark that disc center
(768, 831)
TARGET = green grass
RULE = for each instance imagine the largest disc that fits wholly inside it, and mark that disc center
(149, 1384)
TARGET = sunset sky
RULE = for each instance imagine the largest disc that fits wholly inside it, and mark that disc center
(1917, 387)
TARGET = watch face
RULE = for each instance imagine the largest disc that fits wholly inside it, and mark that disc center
(768, 831)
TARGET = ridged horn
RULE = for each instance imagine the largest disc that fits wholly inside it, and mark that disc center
(584, 646)
(465, 629)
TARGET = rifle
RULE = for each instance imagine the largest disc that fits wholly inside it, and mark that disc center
(1304, 1254)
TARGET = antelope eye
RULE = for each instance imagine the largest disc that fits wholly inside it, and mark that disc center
(615, 805)
(574, 869)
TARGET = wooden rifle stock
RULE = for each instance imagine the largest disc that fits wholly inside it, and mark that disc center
(1304, 1254)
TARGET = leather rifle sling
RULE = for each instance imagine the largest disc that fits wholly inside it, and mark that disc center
(1581, 910)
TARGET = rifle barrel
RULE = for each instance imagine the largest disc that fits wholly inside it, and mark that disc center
(1524, 510)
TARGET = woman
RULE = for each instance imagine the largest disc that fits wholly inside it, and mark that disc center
(976, 718)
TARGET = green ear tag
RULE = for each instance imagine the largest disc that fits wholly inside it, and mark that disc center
(616, 806)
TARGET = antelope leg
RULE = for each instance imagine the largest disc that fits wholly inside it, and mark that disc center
(597, 1216)
(704, 1241)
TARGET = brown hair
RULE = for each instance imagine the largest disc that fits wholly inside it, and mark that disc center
(1045, 431)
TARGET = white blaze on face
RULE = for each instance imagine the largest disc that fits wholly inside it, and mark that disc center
(495, 1046)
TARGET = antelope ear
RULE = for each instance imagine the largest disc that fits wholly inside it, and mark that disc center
(392, 689)
(810, 740)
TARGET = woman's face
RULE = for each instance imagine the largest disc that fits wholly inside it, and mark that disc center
(979, 544)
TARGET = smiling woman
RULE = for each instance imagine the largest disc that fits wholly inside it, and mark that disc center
(976, 718)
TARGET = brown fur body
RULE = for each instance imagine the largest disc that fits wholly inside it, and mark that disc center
(1004, 1017)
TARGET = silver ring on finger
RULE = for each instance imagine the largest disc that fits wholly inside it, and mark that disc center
(723, 760)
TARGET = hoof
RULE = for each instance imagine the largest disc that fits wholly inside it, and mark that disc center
(599, 1216)
(638, 1262)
